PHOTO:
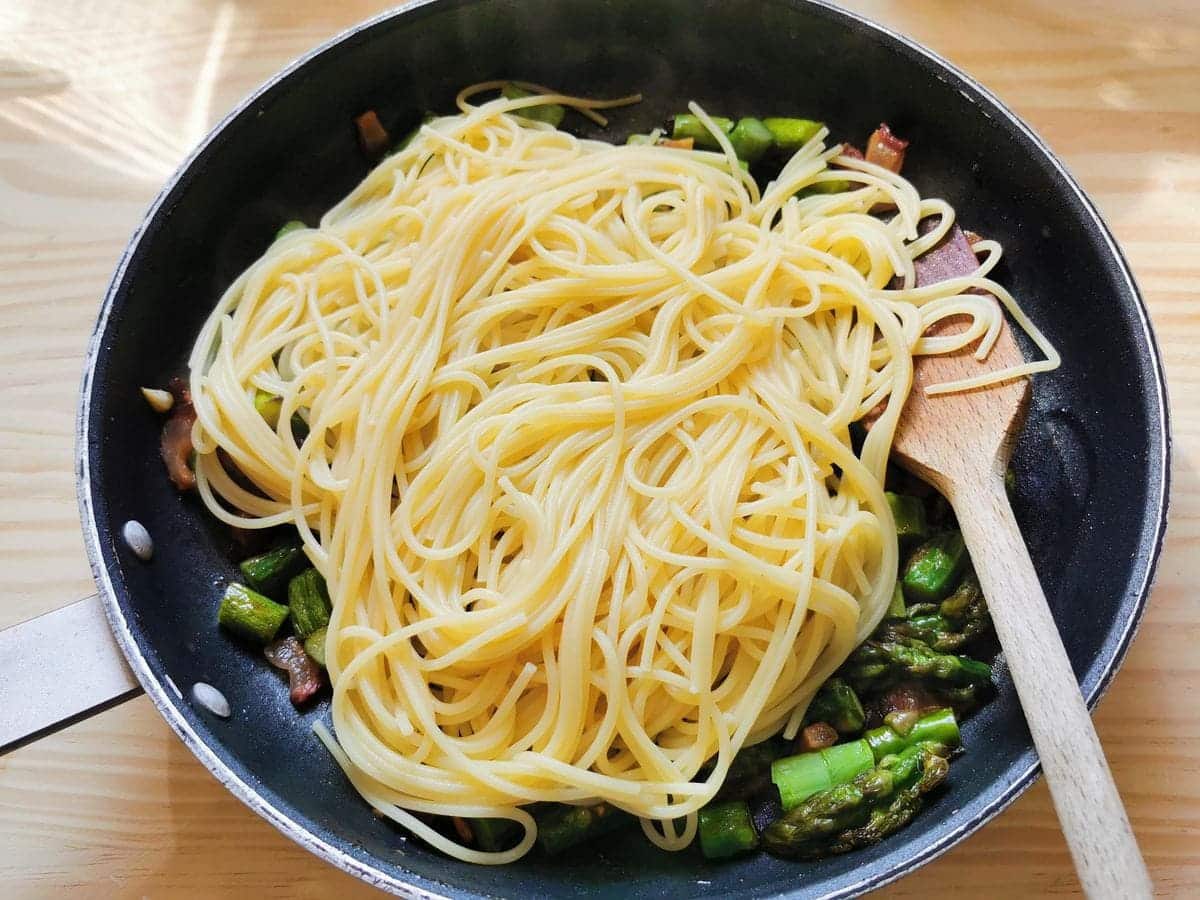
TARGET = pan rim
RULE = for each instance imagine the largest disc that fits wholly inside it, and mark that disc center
(411, 886)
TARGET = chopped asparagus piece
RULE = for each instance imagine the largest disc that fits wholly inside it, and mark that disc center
(550, 113)
(845, 761)
(833, 186)
(494, 834)
(876, 803)
(909, 515)
(933, 571)
(268, 406)
(685, 125)
(799, 777)
(308, 599)
(726, 829)
(792, 134)
(270, 571)
(314, 646)
(897, 609)
(288, 227)
(751, 139)
(249, 614)
(837, 704)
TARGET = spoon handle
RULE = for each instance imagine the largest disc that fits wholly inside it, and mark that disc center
(1089, 808)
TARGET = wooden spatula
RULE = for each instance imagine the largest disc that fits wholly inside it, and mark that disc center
(961, 443)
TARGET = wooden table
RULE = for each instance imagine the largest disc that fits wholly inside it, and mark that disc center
(100, 102)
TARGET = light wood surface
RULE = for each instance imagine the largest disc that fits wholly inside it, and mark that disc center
(962, 444)
(100, 101)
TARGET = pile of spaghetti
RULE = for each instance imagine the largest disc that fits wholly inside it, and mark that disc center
(578, 469)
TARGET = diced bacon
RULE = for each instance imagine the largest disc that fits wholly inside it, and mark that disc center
(372, 136)
(176, 442)
(885, 149)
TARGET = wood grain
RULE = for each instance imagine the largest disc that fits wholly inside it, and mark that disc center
(961, 444)
(99, 102)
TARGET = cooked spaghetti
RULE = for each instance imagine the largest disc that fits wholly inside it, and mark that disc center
(578, 468)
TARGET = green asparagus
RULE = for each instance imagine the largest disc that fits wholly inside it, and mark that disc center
(249, 614)
(832, 186)
(945, 626)
(937, 731)
(837, 704)
(685, 126)
(314, 646)
(792, 134)
(726, 829)
(800, 777)
(909, 515)
(288, 227)
(269, 572)
(933, 571)
(494, 834)
(550, 113)
(268, 405)
(875, 804)
(308, 600)
(897, 609)
(750, 139)
(878, 664)
(562, 827)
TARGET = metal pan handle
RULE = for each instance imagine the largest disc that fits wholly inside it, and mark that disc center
(57, 669)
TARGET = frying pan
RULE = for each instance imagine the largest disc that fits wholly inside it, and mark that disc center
(1092, 462)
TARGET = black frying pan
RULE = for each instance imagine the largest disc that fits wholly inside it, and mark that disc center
(1091, 463)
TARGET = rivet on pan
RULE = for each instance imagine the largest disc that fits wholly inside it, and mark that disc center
(137, 538)
(211, 699)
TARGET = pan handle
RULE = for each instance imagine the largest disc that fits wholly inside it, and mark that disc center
(57, 669)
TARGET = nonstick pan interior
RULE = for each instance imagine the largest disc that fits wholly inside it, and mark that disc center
(1091, 463)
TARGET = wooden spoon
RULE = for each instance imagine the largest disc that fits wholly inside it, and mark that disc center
(961, 444)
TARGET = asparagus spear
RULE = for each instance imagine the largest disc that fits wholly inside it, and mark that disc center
(862, 812)
(801, 776)
(837, 704)
(945, 626)
(876, 664)
(966, 609)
